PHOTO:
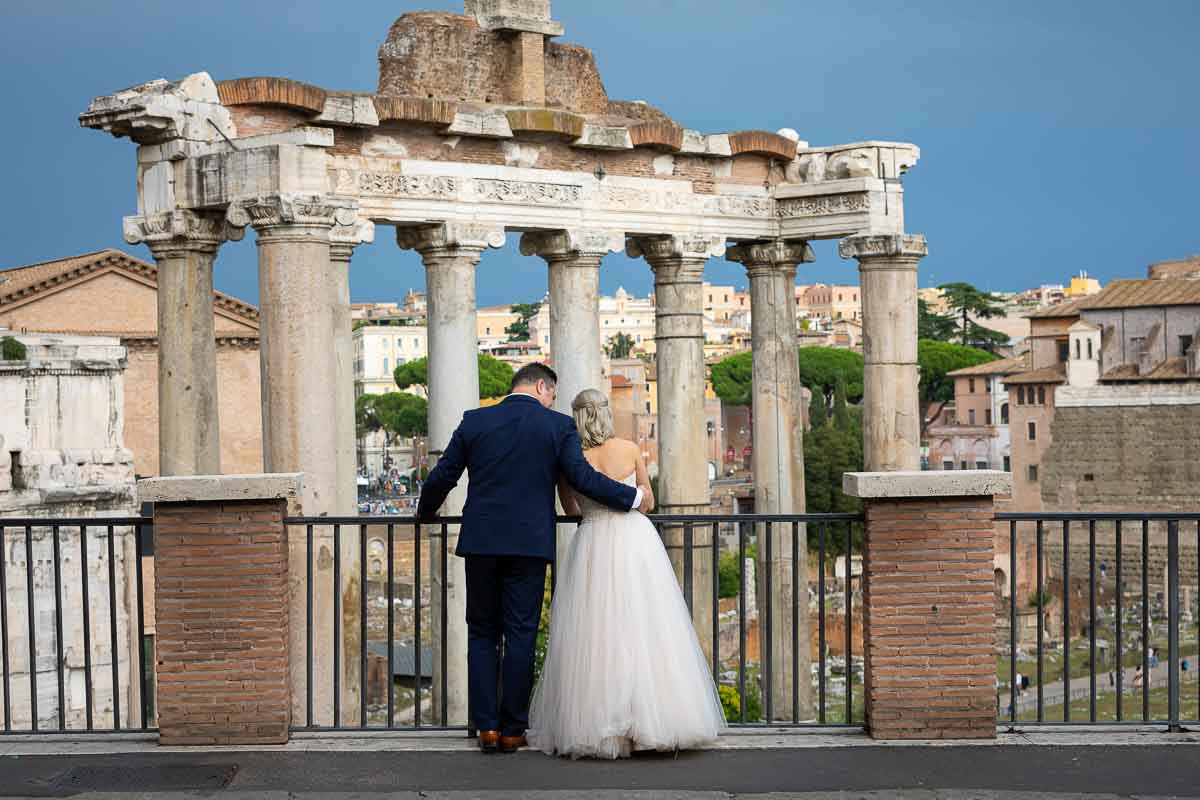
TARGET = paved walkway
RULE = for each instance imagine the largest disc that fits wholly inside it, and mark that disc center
(1053, 693)
(760, 766)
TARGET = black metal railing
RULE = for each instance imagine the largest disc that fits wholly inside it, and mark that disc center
(1117, 620)
(744, 674)
(61, 557)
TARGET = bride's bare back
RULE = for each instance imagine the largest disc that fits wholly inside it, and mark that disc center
(618, 459)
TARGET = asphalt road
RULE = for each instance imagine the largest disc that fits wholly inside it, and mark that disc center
(844, 773)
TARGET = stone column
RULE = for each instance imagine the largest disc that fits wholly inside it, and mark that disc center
(574, 259)
(451, 253)
(779, 470)
(678, 263)
(298, 293)
(891, 409)
(343, 240)
(929, 608)
(185, 244)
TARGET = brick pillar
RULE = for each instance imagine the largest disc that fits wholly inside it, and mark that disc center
(928, 600)
(221, 606)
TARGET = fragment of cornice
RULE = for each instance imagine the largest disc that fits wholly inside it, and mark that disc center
(177, 150)
(353, 111)
(160, 111)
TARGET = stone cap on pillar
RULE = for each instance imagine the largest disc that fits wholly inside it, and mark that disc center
(222, 488)
(945, 483)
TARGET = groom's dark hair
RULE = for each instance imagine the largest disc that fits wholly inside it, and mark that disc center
(530, 374)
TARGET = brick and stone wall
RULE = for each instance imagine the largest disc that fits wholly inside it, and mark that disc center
(1136, 458)
(222, 607)
(929, 602)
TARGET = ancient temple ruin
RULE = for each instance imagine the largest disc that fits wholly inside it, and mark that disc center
(484, 126)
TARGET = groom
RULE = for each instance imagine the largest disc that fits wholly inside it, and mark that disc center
(514, 453)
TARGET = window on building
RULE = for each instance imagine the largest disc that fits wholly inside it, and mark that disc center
(1078, 349)
(1004, 414)
(971, 386)
(385, 366)
(1033, 431)
(487, 331)
(1185, 344)
(981, 465)
(416, 344)
(1090, 352)
(964, 465)
(1032, 473)
(948, 465)
(647, 406)
(988, 416)
(1008, 464)
(987, 385)
(1064, 350)
(971, 417)
(1041, 395)
(1020, 395)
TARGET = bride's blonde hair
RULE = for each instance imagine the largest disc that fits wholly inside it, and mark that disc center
(593, 418)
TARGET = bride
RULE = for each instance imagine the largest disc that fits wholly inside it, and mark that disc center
(624, 670)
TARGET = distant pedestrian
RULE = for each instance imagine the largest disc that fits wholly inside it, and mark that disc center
(1138, 678)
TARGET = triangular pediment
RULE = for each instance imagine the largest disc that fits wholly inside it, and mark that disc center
(104, 292)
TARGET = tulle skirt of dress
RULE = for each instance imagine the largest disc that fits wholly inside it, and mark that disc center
(624, 670)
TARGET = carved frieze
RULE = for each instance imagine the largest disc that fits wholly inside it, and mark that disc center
(627, 198)
(798, 207)
(526, 192)
(396, 185)
(735, 206)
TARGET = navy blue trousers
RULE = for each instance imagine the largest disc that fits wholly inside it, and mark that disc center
(504, 603)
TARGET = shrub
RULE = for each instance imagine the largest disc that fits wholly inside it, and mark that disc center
(11, 349)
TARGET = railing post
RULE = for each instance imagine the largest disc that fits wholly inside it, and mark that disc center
(929, 607)
(1174, 686)
(222, 607)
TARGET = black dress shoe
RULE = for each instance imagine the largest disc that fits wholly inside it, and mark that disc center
(489, 741)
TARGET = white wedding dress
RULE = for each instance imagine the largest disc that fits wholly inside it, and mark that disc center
(624, 670)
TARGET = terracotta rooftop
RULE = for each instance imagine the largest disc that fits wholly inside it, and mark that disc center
(1173, 369)
(1141, 293)
(1070, 308)
(17, 283)
(1054, 374)
(1003, 366)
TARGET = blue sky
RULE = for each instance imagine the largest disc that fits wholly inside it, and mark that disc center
(1057, 135)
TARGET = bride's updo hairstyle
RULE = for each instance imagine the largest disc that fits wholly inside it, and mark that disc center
(593, 418)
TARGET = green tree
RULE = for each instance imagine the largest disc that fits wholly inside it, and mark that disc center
(731, 379)
(495, 376)
(966, 302)
(937, 360)
(11, 349)
(934, 326)
(818, 412)
(820, 368)
(519, 330)
(398, 415)
(619, 346)
(841, 410)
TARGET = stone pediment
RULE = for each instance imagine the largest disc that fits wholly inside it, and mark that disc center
(108, 273)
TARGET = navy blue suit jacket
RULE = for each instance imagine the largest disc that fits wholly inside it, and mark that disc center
(515, 451)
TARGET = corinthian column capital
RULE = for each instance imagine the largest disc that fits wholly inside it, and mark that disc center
(449, 236)
(665, 248)
(282, 211)
(181, 229)
(572, 244)
(902, 248)
(773, 256)
(344, 238)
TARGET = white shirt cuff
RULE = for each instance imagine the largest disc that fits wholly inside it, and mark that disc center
(637, 500)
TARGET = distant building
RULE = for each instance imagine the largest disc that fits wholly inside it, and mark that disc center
(381, 345)
(492, 324)
(62, 454)
(972, 432)
(111, 293)
(1082, 285)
